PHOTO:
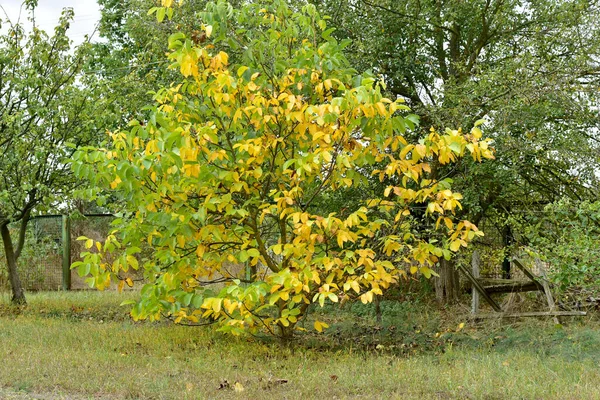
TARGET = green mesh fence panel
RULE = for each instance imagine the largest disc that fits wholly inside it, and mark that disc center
(40, 263)
(94, 227)
(492, 249)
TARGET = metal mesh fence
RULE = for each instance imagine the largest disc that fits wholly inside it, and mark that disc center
(495, 249)
(92, 226)
(41, 262)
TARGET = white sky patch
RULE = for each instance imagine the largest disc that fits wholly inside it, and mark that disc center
(47, 13)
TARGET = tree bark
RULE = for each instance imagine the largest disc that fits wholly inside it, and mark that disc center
(378, 318)
(11, 261)
(447, 284)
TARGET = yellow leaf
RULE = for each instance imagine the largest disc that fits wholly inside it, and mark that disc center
(208, 29)
(241, 70)
(430, 208)
(274, 288)
(229, 305)
(455, 245)
(131, 260)
(277, 249)
(89, 243)
(238, 387)
(216, 305)
(115, 183)
(129, 282)
(448, 223)
(188, 65)
(222, 55)
(320, 325)
(421, 150)
(181, 241)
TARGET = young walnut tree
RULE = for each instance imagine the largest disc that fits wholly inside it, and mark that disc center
(267, 118)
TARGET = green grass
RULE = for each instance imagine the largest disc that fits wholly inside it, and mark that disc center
(82, 345)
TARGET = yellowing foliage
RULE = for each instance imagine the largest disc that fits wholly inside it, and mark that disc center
(227, 169)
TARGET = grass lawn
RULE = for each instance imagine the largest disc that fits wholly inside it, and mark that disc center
(81, 345)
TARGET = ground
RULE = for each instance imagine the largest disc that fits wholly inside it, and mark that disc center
(84, 346)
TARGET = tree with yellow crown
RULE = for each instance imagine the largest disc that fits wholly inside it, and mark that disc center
(268, 118)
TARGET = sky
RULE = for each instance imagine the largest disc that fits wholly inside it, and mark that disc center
(87, 14)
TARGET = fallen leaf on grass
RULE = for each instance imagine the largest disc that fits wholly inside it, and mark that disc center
(238, 387)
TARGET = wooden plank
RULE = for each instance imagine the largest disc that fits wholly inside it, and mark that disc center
(534, 314)
(499, 281)
(528, 274)
(480, 288)
(475, 261)
(547, 291)
(506, 285)
(517, 286)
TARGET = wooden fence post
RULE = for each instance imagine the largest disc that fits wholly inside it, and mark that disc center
(475, 261)
(547, 291)
(66, 252)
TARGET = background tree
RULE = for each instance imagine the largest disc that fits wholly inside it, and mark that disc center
(530, 68)
(44, 113)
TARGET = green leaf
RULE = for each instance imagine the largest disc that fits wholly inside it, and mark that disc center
(160, 14)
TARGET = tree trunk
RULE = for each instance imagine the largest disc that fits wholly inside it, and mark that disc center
(447, 284)
(11, 261)
(377, 302)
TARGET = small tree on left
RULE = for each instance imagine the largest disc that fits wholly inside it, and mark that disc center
(44, 107)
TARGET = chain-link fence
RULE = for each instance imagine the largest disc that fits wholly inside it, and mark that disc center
(48, 237)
